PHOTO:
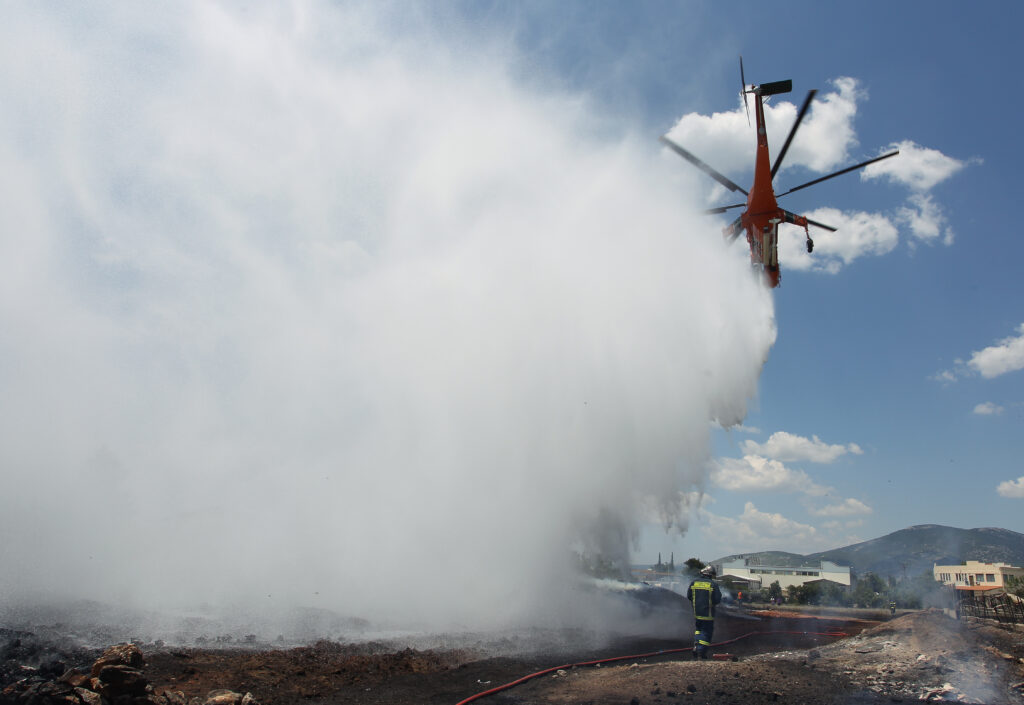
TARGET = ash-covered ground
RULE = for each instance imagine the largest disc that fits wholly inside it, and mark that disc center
(780, 657)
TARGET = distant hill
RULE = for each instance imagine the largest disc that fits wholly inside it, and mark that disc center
(913, 551)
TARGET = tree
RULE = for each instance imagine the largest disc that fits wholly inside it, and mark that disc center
(870, 591)
(694, 565)
(775, 591)
(1015, 585)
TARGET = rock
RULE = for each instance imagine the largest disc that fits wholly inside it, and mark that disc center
(75, 678)
(223, 697)
(88, 697)
(116, 681)
(119, 655)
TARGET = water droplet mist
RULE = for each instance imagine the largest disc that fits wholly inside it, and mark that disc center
(302, 310)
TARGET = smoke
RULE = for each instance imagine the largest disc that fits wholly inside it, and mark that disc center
(306, 306)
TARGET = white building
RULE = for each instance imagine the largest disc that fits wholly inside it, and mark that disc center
(755, 571)
(976, 574)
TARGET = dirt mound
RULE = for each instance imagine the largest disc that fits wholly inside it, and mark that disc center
(282, 675)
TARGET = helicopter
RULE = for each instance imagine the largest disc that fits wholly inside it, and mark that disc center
(762, 216)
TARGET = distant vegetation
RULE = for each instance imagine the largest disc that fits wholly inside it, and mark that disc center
(868, 590)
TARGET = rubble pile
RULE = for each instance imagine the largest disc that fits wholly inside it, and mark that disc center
(925, 656)
(117, 677)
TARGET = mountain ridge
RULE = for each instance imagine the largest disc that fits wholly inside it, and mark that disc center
(911, 551)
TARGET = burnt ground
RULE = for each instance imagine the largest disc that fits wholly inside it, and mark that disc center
(922, 655)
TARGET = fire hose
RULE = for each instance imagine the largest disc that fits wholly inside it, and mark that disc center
(612, 659)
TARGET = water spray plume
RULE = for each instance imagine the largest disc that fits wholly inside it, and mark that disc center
(300, 312)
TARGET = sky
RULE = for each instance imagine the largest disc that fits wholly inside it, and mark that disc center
(301, 299)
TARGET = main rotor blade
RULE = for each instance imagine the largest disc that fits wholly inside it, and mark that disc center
(701, 165)
(792, 132)
(791, 218)
(821, 225)
(840, 172)
(723, 209)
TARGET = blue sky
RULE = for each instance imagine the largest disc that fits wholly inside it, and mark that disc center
(274, 276)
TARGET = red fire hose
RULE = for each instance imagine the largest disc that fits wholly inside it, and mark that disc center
(519, 681)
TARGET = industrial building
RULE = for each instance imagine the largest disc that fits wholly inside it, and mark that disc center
(757, 574)
(975, 574)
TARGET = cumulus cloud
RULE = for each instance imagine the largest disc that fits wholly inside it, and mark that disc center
(1014, 489)
(988, 408)
(859, 234)
(752, 473)
(825, 142)
(726, 141)
(918, 168)
(848, 507)
(759, 530)
(791, 447)
(925, 218)
(1007, 355)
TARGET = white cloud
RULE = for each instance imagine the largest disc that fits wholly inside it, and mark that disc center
(752, 473)
(727, 142)
(859, 234)
(988, 409)
(1005, 356)
(919, 168)
(848, 507)
(758, 530)
(925, 219)
(825, 142)
(826, 136)
(1013, 489)
(788, 446)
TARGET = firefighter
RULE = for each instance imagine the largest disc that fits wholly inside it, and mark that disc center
(704, 594)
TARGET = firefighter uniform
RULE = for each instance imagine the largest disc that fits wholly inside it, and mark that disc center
(704, 594)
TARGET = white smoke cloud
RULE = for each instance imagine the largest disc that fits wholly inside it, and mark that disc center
(782, 445)
(302, 309)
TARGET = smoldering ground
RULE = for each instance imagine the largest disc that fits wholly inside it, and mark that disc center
(304, 305)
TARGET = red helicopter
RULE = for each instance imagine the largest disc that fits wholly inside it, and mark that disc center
(763, 215)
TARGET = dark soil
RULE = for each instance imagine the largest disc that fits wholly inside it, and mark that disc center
(782, 658)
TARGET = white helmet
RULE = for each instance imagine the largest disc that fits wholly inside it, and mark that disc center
(708, 571)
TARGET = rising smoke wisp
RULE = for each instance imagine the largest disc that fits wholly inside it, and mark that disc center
(298, 309)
